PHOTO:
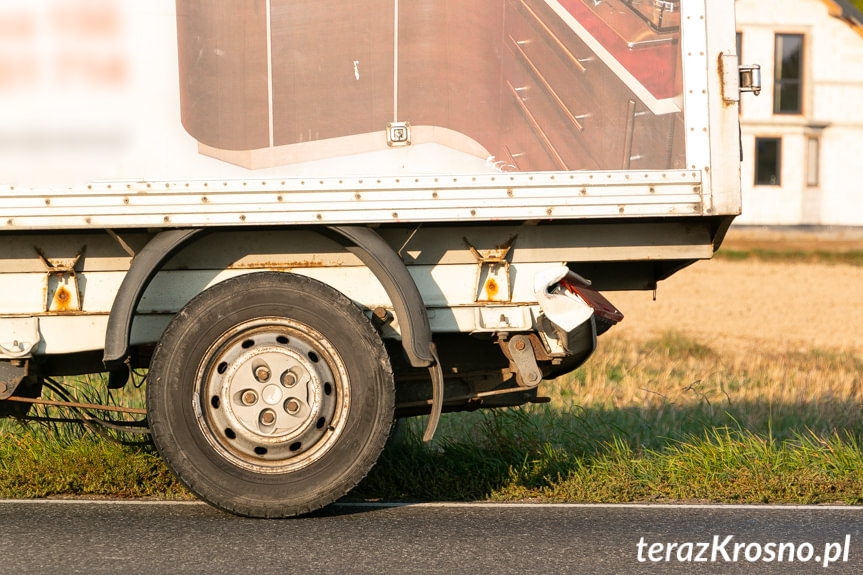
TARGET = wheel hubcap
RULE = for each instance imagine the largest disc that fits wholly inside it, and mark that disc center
(273, 395)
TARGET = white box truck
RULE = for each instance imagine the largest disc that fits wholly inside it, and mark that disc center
(304, 218)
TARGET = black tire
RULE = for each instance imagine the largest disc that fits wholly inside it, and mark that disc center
(270, 395)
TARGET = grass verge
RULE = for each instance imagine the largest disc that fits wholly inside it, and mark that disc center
(722, 465)
(668, 419)
(48, 459)
(847, 257)
(33, 466)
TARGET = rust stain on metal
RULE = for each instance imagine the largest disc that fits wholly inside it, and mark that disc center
(75, 312)
(62, 297)
(721, 70)
(279, 265)
(66, 296)
(491, 288)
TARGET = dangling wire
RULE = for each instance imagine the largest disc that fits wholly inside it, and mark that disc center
(102, 426)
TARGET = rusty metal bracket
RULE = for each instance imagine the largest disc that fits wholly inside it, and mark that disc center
(61, 283)
(492, 276)
(523, 361)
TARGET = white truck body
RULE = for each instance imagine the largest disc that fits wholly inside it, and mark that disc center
(487, 143)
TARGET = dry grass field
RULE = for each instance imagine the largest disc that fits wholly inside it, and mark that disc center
(776, 346)
(754, 306)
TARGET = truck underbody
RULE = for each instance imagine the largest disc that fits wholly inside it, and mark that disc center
(470, 327)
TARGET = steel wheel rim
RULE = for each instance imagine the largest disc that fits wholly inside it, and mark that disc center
(271, 395)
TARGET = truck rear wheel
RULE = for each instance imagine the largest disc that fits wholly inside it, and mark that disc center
(270, 395)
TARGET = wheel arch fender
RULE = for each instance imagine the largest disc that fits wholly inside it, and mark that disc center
(377, 255)
(362, 241)
(145, 265)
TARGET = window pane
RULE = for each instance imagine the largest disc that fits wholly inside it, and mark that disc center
(767, 161)
(788, 95)
(788, 74)
(789, 51)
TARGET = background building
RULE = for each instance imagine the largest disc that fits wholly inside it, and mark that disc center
(803, 136)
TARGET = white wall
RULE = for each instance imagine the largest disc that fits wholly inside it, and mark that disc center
(832, 110)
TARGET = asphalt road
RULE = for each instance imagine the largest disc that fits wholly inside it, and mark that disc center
(61, 537)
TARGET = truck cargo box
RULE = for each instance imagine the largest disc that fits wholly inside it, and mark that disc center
(304, 217)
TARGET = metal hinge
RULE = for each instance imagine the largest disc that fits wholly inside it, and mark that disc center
(750, 78)
(737, 78)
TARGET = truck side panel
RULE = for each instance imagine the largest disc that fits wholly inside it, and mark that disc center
(291, 88)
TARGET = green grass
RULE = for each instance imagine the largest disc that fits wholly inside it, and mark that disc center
(669, 419)
(664, 420)
(722, 464)
(850, 257)
(45, 459)
(33, 466)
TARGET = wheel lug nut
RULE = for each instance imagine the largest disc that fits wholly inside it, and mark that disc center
(292, 406)
(268, 417)
(289, 379)
(262, 373)
(249, 397)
